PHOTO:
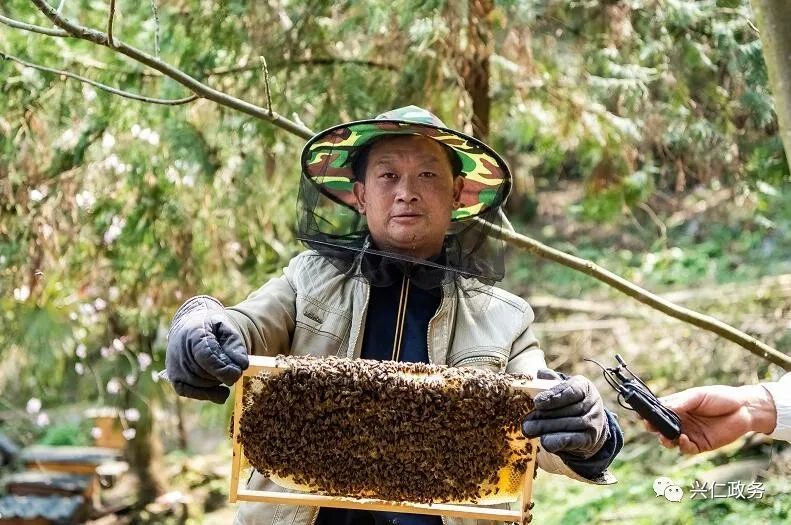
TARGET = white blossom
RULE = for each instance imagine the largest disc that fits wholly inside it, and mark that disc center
(46, 230)
(113, 386)
(22, 293)
(88, 93)
(114, 163)
(85, 199)
(99, 304)
(29, 74)
(42, 420)
(108, 141)
(79, 368)
(118, 345)
(36, 194)
(129, 434)
(132, 414)
(81, 351)
(86, 309)
(150, 136)
(114, 230)
(33, 405)
(67, 140)
(96, 432)
(130, 379)
(144, 360)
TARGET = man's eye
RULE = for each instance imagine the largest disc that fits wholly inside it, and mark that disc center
(428, 174)
(388, 175)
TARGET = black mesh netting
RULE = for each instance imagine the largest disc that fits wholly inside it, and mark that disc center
(339, 233)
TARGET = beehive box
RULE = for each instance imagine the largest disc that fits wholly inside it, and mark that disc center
(380, 435)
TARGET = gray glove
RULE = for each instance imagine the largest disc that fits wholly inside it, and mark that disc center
(204, 350)
(569, 417)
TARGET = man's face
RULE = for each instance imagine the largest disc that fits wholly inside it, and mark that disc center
(408, 195)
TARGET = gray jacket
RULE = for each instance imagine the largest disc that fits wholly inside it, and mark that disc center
(314, 309)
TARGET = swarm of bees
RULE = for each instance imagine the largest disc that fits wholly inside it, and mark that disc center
(381, 429)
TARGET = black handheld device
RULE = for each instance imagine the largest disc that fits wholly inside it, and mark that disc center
(639, 398)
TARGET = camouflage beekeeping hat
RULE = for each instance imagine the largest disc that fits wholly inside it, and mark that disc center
(326, 158)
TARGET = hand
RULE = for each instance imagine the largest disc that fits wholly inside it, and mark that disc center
(569, 417)
(714, 416)
(204, 350)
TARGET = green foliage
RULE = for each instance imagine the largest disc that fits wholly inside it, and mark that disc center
(70, 434)
(632, 500)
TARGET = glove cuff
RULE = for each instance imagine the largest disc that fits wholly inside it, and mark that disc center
(596, 465)
(199, 303)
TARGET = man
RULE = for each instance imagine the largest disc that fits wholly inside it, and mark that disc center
(399, 269)
(713, 416)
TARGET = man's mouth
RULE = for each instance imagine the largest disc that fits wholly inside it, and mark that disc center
(406, 217)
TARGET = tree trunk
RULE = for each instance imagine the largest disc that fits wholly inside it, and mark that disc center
(475, 65)
(774, 19)
(144, 453)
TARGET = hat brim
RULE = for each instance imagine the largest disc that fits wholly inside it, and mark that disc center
(325, 162)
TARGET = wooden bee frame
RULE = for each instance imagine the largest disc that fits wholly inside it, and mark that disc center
(271, 366)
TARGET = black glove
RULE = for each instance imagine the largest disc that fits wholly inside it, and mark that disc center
(569, 418)
(204, 350)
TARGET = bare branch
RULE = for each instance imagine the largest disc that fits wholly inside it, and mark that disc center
(644, 296)
(266, 84)
(199, 88)
(109, 89)
(33, 28)
(110, 24)
(156, 27)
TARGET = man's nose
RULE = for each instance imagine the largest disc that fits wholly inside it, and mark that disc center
(406, 191)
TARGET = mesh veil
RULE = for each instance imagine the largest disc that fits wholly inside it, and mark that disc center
(470, 258)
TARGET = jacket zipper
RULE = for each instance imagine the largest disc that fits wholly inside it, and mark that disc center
(428, 332)
(428, 351)
(358, 343)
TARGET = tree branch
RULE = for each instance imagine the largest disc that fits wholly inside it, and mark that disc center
(33, 28)
(155, 11)
(266, 84)
(110, 24)
(632, 290)
(109, 89)
(199, 88)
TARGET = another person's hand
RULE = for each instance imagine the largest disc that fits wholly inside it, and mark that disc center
(204, 351)
(713, 416)
(569, 417)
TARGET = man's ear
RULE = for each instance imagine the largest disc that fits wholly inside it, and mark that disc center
(458, 186)
(359, 191)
